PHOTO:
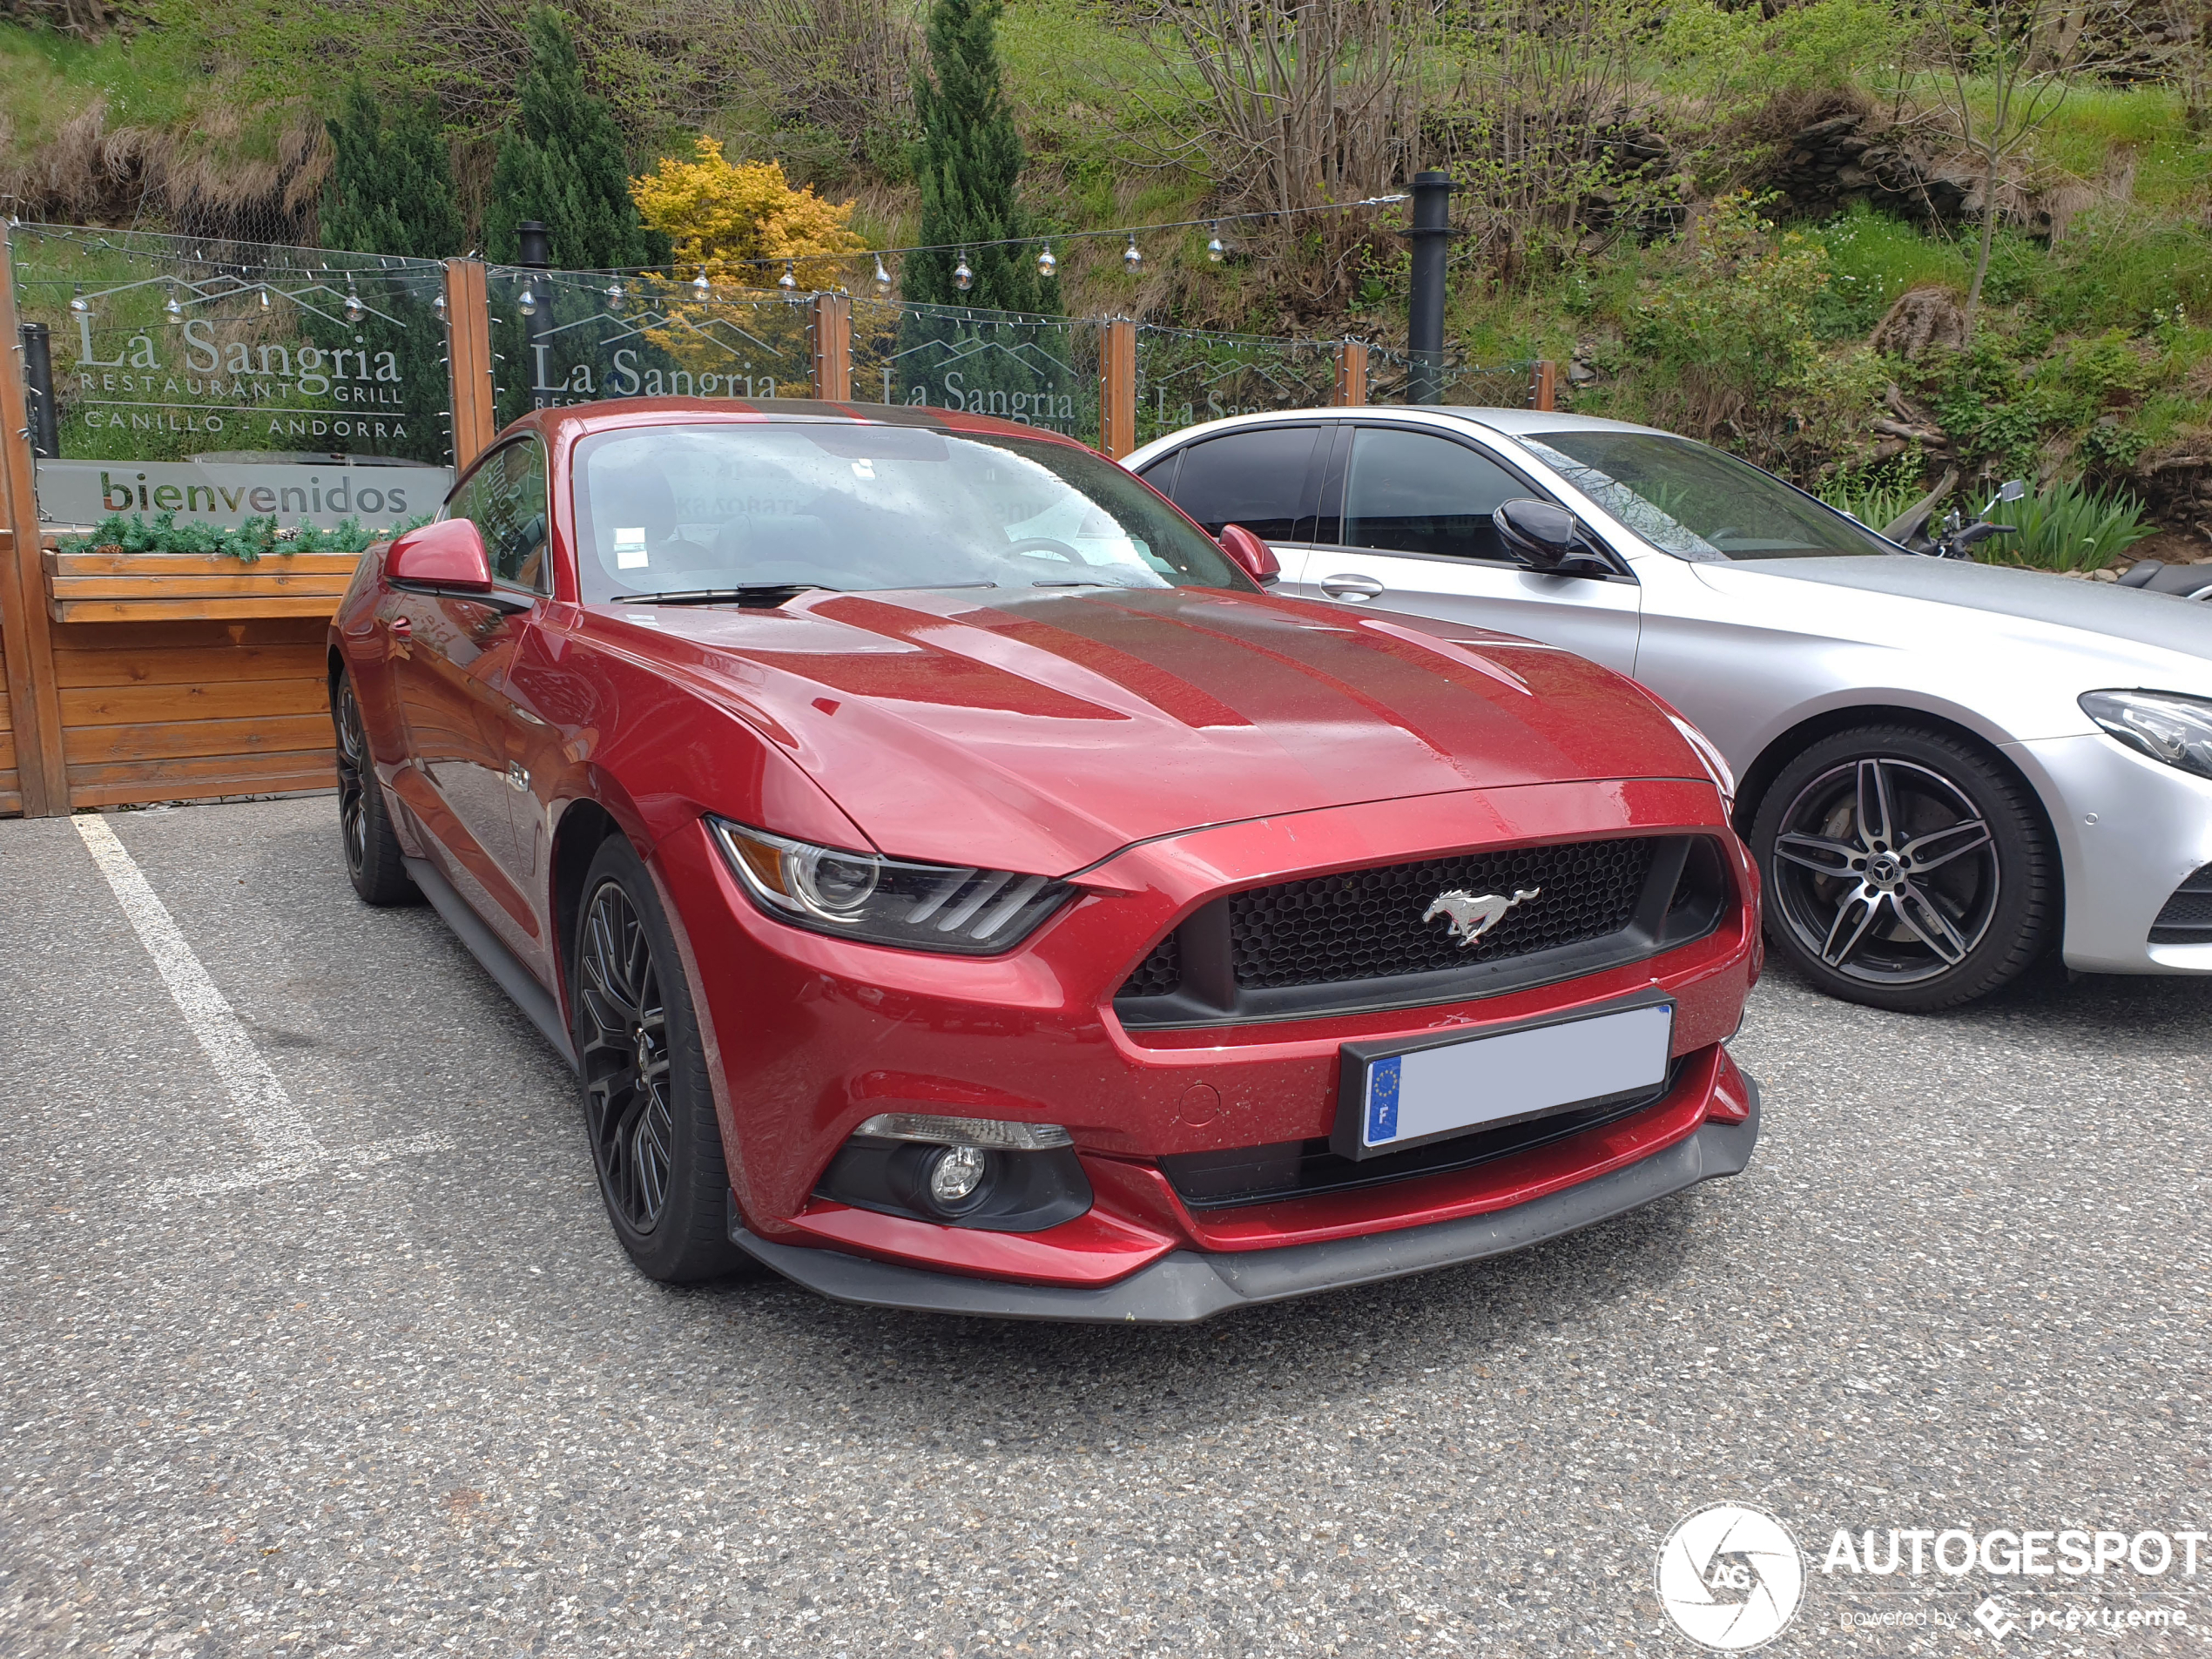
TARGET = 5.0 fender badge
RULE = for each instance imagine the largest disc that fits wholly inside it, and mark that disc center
(1473, 915)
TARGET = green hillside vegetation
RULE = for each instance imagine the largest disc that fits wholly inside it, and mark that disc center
(1761, 230)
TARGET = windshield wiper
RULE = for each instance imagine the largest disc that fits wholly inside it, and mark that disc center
(1072, 581)
(749, 593)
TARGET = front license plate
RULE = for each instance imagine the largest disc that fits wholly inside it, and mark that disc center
(1399, 1094)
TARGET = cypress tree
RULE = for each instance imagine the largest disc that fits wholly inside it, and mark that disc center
(561, 162)
(968, 163)
(390, 189)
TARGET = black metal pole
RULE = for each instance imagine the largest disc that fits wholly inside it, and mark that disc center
(38, 388)
(534, 250)
(1425, 314)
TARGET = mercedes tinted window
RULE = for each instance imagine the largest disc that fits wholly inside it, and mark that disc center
(1257, 479)
(1415, 492)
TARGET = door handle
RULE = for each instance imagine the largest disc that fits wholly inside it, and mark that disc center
(1350, 587)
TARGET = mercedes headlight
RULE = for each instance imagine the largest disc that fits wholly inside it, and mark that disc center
(2162, 725)
(888, 901)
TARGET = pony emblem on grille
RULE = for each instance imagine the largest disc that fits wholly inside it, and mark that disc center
(1472, 916)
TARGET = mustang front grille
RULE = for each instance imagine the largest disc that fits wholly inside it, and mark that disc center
(1431, 930)
(1368, 924)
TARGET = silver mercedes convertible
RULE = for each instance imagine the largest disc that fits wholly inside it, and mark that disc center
(1944, 767)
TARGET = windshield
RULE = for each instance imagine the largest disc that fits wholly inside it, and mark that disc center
(1698, 504)
(843, 505)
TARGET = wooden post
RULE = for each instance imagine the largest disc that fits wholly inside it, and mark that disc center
(832, 337)
(1117, 386)
(1544, 392)
(1351, 374)
(26, 632)
(468, 353)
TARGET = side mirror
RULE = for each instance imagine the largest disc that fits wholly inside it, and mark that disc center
(2012, 490)
(1543, 537)
(448, 555)
(1253, 557)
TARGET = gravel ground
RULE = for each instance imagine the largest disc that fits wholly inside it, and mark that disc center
(402, 1394)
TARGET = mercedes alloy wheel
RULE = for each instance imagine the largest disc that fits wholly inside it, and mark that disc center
(1905, 868)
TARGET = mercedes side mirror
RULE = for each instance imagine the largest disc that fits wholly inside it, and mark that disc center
(448, 555)
(2012, 490)
(1545, 537)
(1253, 557)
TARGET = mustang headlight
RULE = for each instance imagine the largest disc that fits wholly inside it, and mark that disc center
(2163, 724)
(1715, 763)
(888, 901)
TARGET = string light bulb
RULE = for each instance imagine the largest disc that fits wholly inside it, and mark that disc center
(616, 295)
(789, 279)
(78, 303)
(526, 302)
(1046, 265)
(963, 277)
(700, 286)
(354, 309)
(882, 278)
(1217, 250)
(437, 305)
(1132, 256)
(265, 301)
(173, 307)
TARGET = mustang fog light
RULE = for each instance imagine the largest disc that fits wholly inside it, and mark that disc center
(955, 1172)
(965, 1171)
(966, 911)
(2163, 724)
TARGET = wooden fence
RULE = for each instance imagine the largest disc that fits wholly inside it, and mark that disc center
(136, 678)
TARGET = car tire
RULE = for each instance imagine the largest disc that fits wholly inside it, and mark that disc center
(373, 861)
(648, 1107)
(1905, 868)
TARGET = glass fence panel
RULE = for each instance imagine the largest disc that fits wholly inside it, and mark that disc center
(221, 381)
(1038, 371)
(1487, 386)
(563, 337)
(1185, 376)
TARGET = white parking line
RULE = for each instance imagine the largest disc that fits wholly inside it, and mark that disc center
(285, 1142)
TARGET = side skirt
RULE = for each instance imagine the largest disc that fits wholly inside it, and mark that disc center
(516, 980)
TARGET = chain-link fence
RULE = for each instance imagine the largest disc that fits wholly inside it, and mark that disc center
(1038, 371)
(224, 380)
(1185, 376)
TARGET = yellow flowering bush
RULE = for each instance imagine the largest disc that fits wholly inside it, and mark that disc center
(721, 215)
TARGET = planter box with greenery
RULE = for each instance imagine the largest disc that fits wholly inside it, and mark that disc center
(158, 571)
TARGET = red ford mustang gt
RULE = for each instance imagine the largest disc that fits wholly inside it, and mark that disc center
(960, 884)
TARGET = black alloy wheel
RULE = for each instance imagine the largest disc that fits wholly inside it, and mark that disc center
(647, 1106)
(374, 862)
(1905, 869)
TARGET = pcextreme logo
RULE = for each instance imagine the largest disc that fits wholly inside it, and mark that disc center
(1730, 1577)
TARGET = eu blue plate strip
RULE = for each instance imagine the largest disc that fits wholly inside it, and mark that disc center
(1382, 1100)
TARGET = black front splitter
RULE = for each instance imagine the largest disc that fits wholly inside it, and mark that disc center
(1187, 1285)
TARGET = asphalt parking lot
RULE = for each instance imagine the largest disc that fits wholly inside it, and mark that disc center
(353, 1364)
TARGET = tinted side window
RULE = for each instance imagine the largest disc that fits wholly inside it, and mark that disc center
(1414, 492)
(505, 498)
(1256, 479)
